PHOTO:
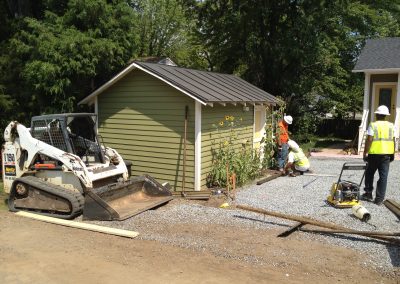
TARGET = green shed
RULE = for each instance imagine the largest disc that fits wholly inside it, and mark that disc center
(146, 110)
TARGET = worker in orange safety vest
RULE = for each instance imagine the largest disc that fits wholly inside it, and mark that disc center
(282, 138)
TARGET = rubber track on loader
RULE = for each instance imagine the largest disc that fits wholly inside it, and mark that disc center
(73, 196)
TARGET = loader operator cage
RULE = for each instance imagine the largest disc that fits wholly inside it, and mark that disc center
(72, 133)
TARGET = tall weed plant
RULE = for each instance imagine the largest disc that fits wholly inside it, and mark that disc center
(238, 157)
(271, 131)
(232, 155)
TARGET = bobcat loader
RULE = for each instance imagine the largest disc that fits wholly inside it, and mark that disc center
(59, 168)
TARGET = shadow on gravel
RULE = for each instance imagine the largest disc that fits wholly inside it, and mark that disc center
(394, 253)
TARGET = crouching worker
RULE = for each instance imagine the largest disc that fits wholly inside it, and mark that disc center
(297, 161)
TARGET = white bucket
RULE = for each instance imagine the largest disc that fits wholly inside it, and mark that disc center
(361, 212)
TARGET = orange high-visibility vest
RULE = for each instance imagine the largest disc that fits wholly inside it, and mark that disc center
(282, 134)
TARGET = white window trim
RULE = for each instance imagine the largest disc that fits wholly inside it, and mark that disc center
(263, 114)
(381, 84)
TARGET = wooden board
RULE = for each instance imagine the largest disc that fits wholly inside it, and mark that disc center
(79, 225)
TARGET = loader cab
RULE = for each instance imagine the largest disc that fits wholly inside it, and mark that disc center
(72, 133)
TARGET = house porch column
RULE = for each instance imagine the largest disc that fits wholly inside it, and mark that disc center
(197, 147)
(397, 117)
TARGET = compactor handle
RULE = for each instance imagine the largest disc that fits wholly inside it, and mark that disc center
(354, 167)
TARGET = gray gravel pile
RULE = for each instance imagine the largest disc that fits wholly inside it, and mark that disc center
(306, 195)
(300, 196)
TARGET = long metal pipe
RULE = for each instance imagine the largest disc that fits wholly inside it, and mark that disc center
(393, 206)
(305, 220)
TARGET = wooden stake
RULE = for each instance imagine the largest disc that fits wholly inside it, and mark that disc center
(227, 181)
(233, 181)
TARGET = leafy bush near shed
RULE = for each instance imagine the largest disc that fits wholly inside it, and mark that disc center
(232, 156)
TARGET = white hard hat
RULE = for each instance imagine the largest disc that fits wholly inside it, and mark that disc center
(382, 110)
(293, 145)
(288, 119)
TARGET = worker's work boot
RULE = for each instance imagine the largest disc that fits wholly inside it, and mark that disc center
(367, 196)
(378, 202)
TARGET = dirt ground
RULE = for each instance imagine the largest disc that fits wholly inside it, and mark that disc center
(36, 252)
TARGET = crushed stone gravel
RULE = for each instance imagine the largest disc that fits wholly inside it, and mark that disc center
(301, 196)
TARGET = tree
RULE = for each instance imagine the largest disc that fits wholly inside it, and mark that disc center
(302, 51)
(165, 31)
(59, 56)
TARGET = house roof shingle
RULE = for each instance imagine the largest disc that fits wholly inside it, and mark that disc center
(382, 53)
(206, 87)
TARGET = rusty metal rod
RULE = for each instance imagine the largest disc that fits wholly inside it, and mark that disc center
(351, 232)
(393, 206)
(310, 221)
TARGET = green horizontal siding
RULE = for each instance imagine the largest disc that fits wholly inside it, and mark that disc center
(212, 133)
(145, 135)
(143, 119)
(169, 152)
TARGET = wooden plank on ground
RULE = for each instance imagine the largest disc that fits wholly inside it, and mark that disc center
(269, 178)
(318, 175)
(79, 225)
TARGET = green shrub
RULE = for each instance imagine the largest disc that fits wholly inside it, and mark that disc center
(230, 154)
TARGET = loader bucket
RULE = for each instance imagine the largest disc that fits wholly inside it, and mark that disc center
(123, 200)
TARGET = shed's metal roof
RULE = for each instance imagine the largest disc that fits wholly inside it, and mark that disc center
(379, 54)
(206, 87)
(210, 87)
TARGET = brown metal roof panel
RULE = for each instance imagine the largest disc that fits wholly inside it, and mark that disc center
(234, 82)
(181, 81)
(222, 86)
(210, 86)
(256, 93)
(227, 87)
(197, 82)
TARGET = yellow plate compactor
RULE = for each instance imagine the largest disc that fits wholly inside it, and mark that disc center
(345, 194)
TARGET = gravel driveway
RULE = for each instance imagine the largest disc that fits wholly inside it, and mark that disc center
(306, 195)
(302, 196)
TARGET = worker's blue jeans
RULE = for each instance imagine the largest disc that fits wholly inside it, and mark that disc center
(380, 163)
(282, 155)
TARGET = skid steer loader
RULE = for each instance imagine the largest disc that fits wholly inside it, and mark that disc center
(59, 168)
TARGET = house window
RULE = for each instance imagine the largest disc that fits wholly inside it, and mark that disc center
(385, 97)
(259, 123)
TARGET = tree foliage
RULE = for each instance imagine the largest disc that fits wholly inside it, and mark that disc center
(53, 59)
(166, 31)
(54, 53)
(302, 51)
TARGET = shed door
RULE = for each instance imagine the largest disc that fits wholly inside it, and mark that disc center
(259, 125)
(385, 94)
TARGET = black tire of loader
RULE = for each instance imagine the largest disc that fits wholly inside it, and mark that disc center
(75, 198)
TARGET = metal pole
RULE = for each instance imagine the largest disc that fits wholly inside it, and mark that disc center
(305, 220)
